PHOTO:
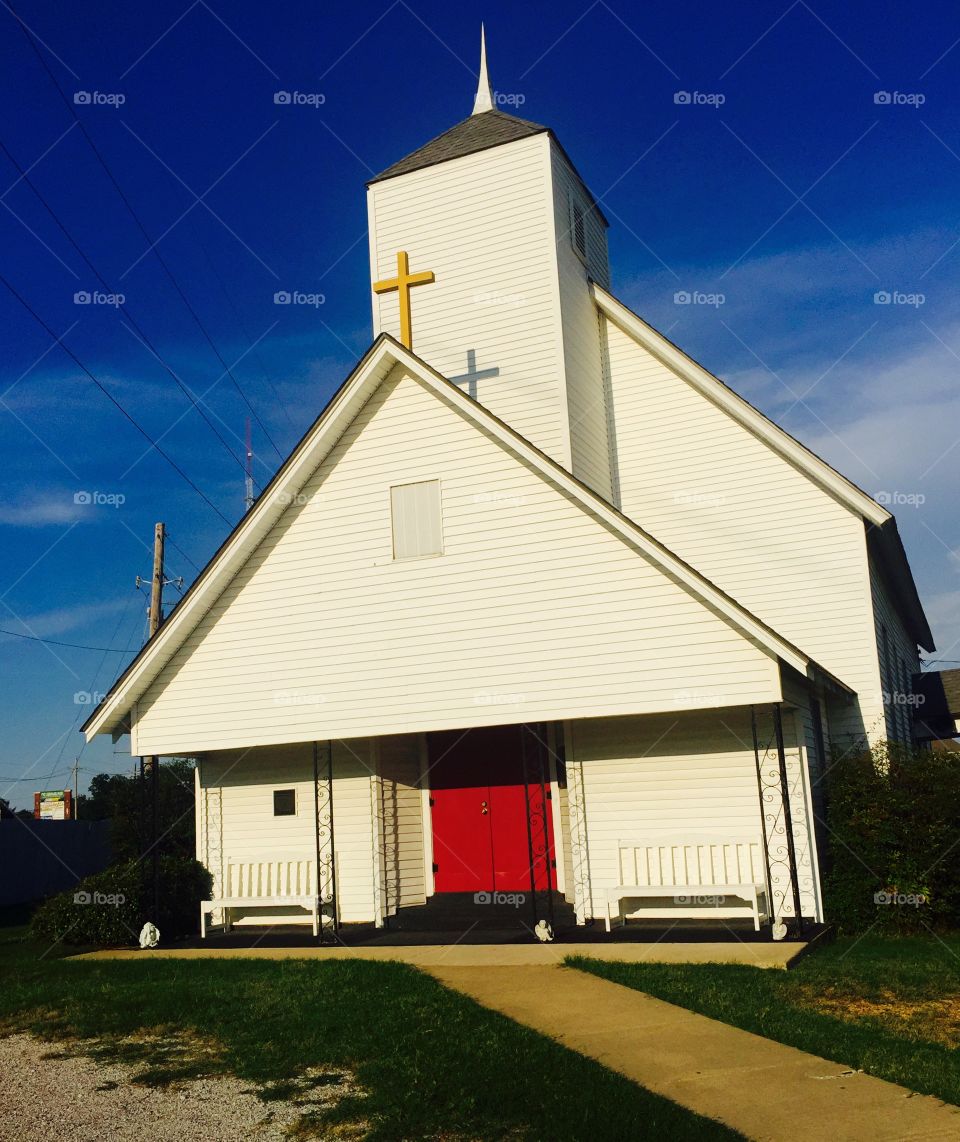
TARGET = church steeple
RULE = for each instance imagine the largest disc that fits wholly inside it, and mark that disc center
(494, 210)
(484, 97)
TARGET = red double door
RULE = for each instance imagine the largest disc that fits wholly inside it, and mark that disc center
(480, 806)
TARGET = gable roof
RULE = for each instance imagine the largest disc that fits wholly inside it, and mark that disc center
(881, 525)
(477, 133)
(320, 438)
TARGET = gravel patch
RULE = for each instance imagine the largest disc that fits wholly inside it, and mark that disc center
(53, 1093)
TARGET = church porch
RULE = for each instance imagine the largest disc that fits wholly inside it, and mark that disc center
(484, 831)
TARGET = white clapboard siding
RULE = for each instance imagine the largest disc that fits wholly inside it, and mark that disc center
(746, 518)
(690, 775)
(898, 660)
(235, 805)
(535, 611)
(401, 822)
(586, 399)
(483, 224)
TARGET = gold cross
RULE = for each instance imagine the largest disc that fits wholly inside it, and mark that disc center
(402, 283)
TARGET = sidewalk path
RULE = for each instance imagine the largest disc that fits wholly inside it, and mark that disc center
(428, 956)
(764, 1089)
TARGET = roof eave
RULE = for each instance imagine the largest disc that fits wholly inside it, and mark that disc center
(738, 407)
(110, 712)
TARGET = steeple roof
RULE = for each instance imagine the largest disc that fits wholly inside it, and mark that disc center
(477, 133)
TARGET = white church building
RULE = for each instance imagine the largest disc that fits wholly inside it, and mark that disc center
(537, 609)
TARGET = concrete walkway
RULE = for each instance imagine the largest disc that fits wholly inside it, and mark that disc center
(761, 1088)
(428, 956)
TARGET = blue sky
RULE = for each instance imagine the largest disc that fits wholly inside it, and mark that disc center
(782, 165)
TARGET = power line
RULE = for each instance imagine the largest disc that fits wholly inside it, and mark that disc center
(183, 553)
(93, 681)
(73, 645)
(133, 214)
(106, 392)
(24, 176)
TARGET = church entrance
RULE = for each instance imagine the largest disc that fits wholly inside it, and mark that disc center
(491, 811)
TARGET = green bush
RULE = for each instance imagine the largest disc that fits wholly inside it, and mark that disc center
(110, 907)
(894, 822)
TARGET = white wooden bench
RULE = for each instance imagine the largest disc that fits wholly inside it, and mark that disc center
(283, 880)
(708, 877)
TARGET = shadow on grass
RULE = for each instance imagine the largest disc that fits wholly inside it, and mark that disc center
(430, 1062)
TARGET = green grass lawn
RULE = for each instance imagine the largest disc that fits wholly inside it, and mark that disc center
(433, 1063)
(890, 1007)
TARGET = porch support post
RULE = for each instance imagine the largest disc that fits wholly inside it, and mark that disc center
(763, 815)
(524, 730)
(546, 802)
(788, 817)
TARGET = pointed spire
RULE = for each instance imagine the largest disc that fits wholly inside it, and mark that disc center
(484, 98)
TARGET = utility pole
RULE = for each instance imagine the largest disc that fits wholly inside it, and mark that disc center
(151, 766)
(156, 585)
(76, 798)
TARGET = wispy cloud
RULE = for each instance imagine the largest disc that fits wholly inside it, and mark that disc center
(63, 620)
(40, 509)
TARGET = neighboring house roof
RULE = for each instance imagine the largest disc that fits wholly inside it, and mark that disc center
(882, 527)
(938, 707)
(282, 490)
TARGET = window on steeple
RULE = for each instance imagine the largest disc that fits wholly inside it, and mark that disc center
(578, 228)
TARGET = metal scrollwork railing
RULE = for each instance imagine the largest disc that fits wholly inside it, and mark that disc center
(577, 818)
(784, 820)
(325, 853)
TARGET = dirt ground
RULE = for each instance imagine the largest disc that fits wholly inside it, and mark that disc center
(55, 1093)
(929, 1020)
